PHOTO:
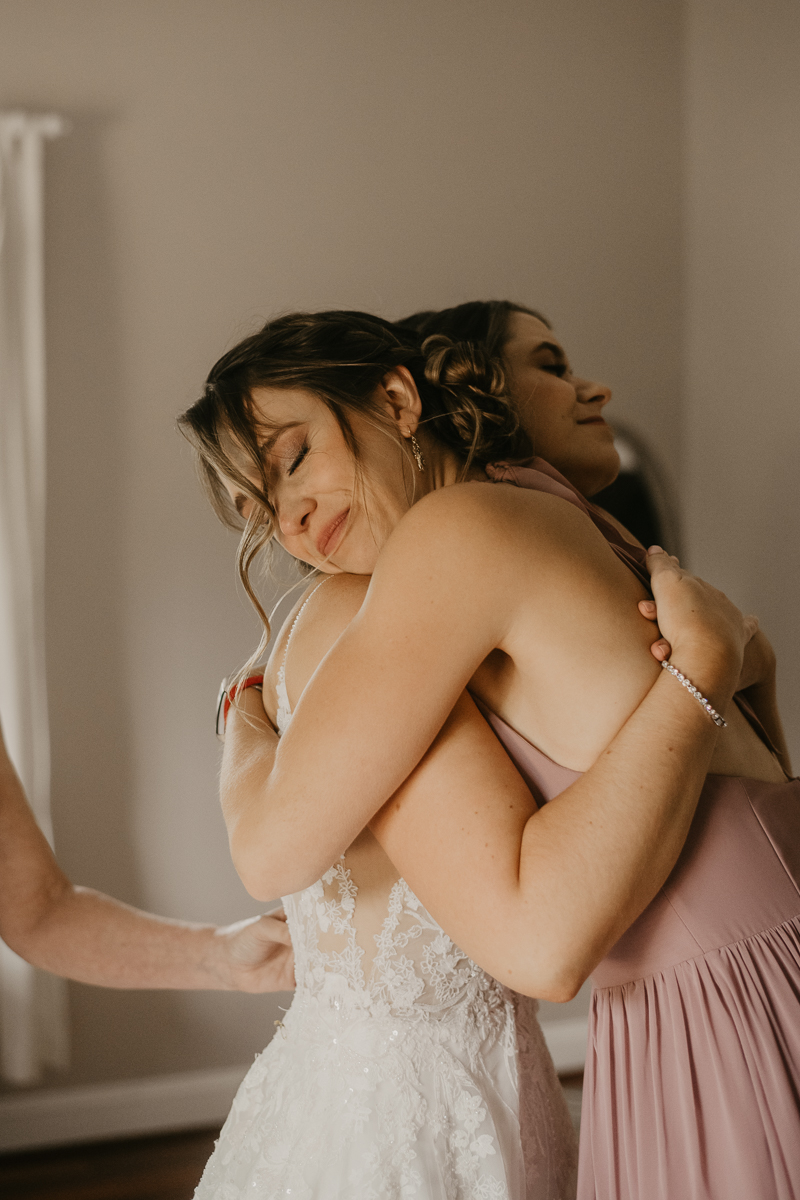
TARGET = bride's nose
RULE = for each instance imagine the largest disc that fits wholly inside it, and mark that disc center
(294, 513)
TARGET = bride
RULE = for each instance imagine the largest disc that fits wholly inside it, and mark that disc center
(403, 1068)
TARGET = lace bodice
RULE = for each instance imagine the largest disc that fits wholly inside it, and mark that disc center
(402, 1071)
(387, 954)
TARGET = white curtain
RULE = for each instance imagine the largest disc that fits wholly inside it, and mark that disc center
(33, 1018)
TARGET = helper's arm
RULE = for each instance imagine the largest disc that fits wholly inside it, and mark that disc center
(90, 937)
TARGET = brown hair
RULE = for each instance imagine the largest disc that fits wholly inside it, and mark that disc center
(482, 322)
(341, 358)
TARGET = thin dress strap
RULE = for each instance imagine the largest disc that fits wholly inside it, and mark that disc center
(284, 708)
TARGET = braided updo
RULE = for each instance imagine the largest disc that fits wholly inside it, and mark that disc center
(468, 406)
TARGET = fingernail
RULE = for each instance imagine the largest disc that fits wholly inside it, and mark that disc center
(655, 550)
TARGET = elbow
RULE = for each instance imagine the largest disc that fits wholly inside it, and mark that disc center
(264, 875)
(253, 869)
(558, 980)
(259, 889)
(564, 975)
(257, 880)
(562, 989)
(33, 931)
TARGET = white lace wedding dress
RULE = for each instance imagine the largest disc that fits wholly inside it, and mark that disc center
(401, 1071)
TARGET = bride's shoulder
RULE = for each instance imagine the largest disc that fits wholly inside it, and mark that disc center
(322, 612)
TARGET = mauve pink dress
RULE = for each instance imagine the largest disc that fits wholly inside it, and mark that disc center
(692, 1084)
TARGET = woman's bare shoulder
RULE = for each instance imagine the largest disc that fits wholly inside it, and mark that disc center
(323, 611)
(490, 522)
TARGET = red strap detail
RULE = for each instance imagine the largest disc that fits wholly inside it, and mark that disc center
(230, 696)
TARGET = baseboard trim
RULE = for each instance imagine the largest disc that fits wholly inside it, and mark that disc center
(161, 1104)
(168, 1103)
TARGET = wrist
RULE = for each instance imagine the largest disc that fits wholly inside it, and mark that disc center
(233, 696)
(248, 713)
(714, 670)
(695, 692)
(217, 960)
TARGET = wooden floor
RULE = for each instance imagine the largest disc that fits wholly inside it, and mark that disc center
(154, 1168)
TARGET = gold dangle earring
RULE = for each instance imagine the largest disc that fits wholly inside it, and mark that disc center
(416, 451)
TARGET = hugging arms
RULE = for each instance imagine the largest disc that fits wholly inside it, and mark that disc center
(504, 621)
(507, 590)
(535, 896)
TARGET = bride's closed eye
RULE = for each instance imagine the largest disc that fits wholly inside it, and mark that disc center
(298, 459)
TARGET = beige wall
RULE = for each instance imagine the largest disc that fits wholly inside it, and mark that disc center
(742, 336)
(230, 159)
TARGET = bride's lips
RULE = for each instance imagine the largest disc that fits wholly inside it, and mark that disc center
(592, 421)
(326, 542)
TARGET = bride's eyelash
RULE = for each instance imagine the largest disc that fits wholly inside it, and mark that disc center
(298, 460)
(559, 369)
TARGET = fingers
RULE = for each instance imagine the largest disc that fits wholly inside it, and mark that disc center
(274, 930)
(657, 554)
(661, 650)
(660, 563)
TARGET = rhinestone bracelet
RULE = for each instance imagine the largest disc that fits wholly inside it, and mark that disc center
(687, 683)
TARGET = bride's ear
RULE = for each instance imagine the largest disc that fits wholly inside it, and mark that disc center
(402, 400)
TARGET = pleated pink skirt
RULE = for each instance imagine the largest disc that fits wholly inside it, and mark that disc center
(692, 1085)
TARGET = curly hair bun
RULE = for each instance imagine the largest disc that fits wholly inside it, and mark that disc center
(476, 414)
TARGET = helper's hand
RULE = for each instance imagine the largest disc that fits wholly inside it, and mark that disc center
(661, 648)
(256, 954)
(699, 620)
(758, 664)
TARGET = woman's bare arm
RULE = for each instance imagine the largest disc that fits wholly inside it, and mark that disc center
(536, 898)
(380, 697)
(88, 936)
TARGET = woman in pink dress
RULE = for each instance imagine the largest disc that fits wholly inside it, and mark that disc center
(528, 596)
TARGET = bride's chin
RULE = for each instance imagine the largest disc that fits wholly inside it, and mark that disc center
(352, 564)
